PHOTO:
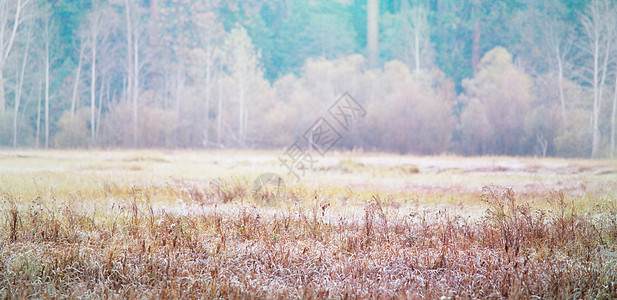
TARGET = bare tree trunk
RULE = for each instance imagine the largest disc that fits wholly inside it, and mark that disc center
(18, 90)
(372, 32)
(613, 116)
(599, 31)
(595, 140)
(2, 100)
(598, 87)
(219, 111)
(38, 113)
(246, 121)
(47, 66)
(556, 32)
(101, 101)
(179, 86)
(100, 107)
(241, 112)
(417, 49)
(5, 49)
(129, 58)
(208, 88)
(76, 83)
(166, 92)
(562, 98)
(135, 88)
(604, 70)
(418, 23)
(93, 83)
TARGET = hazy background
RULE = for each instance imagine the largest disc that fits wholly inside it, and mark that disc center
(516, 77)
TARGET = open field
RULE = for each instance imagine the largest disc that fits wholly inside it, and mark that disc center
(186, 224)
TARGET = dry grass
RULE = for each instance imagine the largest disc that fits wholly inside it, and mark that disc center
(163, 230)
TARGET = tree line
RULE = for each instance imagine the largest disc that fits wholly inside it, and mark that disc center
(513, 77)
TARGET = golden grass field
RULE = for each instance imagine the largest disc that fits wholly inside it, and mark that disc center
(186, 224)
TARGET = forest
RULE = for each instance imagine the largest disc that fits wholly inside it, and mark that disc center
(480, 77)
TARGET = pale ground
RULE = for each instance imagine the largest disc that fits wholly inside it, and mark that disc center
(343, 179)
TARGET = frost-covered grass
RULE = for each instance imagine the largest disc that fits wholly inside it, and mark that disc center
(186, 224)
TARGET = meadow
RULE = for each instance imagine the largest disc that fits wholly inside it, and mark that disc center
(188, 224)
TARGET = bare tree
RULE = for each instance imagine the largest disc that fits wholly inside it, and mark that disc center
(419, 23)
(19, 86)
(558, 47)
(599, 28)
(209, 68)
(561, 47)
(47, 36)
(242, 63)
(103, 90)
(77, 79)
(614, 115)
(38, 111)
(94, 24)
(372, 31)
(408, 37)
(132, 66)
(135, 94)
(219, 110)
(206, 31)
(10, 19)
(180, 80)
